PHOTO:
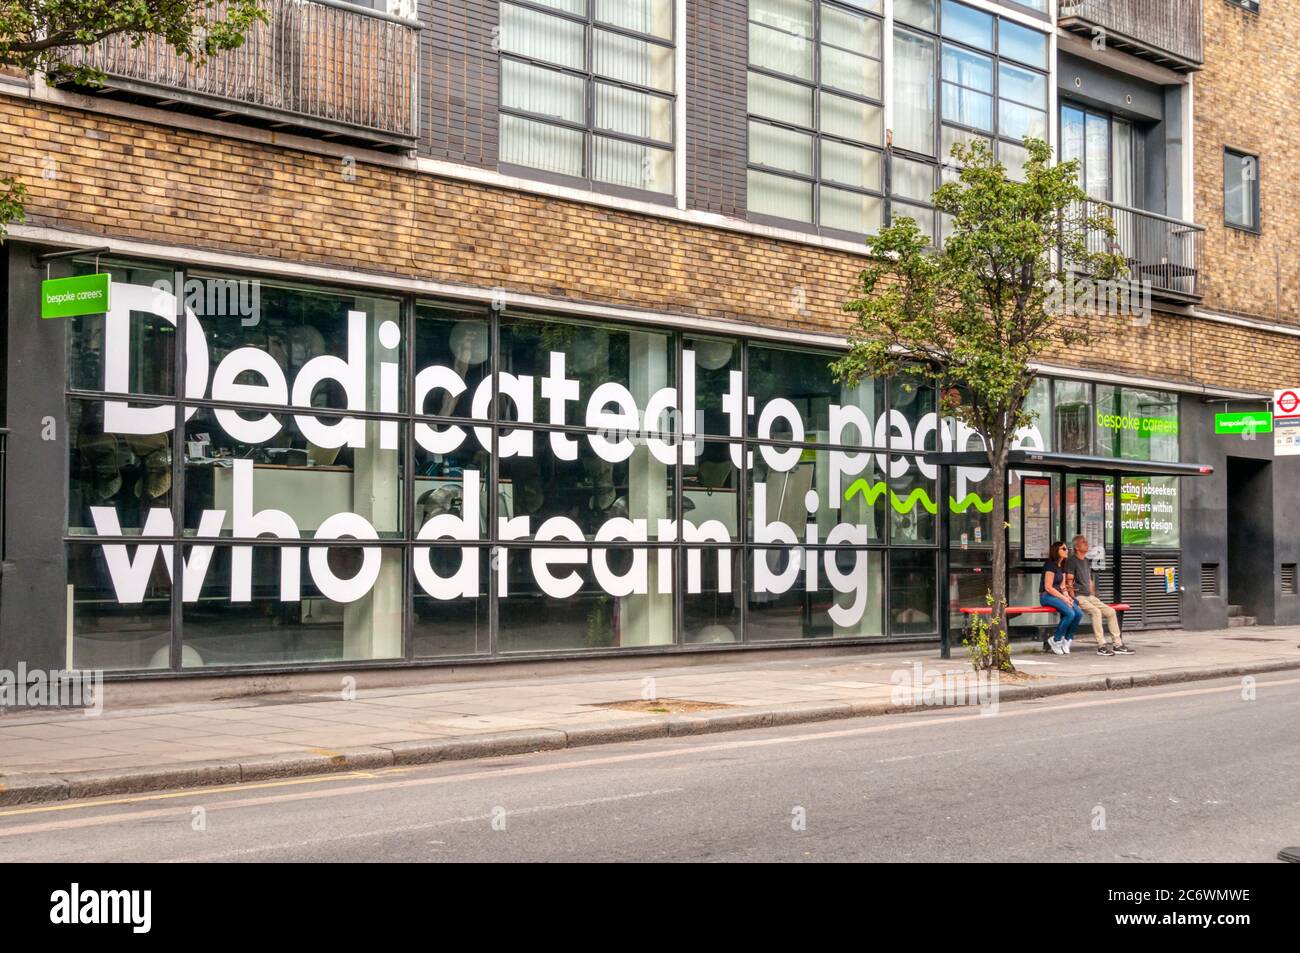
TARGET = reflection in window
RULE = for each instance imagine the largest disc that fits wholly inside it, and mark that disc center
(1039, 403)
(455, 339)
(150, 345)
(450, 626)
(711, 614)
(711, 488)
(347, 606)
(1073, 417)
(585, 492)
(912, 595)
(638, 362)
(780, 494)
(803, 379)
(125, 475)
(1241, 190)
(913, 500)
(288, 472)
(296, 327)
(1103, 145)
(783, 605)
(992, 87)
(716, 361)
(125, 626)
(589, 617)
(589, 93)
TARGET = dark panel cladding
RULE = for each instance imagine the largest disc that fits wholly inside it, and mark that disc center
(716, 95)
(458, 81)
(32, 621)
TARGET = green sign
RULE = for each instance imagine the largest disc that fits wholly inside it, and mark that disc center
(1255, 421)
(68, 297)
(1143, 427)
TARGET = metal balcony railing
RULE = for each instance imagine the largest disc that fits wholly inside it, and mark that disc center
(318, 64)
(1168, 32)
(1158, 249)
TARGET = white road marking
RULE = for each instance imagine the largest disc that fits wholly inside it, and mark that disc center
(413, 828)
(1007, 711)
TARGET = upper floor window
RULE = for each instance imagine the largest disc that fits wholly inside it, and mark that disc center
(816, 127)
(1241, 190)
(991, 78)
(1104, 146)
(587, 91)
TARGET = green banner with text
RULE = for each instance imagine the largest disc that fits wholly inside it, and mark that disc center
(81, 294)
(1258, 421)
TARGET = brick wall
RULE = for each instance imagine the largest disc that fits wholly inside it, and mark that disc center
(1245, 98)
(153, 183)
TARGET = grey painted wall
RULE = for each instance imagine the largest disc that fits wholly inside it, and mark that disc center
(1266, 508)
(32, 597)
(1156, 112)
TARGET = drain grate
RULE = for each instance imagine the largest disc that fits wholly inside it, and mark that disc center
(1290, 854)
(1251, 638)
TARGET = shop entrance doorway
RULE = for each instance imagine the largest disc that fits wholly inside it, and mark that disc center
(1250, 539)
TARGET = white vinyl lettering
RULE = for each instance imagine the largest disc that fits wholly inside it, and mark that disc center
(119, 416)
(351, 374)
(616, 560)
(465, 581)
(331, 585)
(250, 525)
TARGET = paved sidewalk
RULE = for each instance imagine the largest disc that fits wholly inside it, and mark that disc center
(53, 754)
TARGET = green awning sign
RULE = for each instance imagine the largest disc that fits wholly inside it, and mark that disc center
(81, 294)
(1255, 421)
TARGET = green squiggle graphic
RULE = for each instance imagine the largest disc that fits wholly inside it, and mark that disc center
(872, 491)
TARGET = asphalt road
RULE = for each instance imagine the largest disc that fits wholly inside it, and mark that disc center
(1191, 772)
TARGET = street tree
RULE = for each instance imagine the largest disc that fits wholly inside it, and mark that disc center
(972, 315)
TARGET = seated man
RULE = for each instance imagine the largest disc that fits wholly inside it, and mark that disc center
(1085, 594)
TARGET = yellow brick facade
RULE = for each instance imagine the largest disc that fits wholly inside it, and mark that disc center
(100, 174)
(1245, 99)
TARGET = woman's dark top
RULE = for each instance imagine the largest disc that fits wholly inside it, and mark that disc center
(1058, 576)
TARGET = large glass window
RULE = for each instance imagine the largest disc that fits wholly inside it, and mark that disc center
(1241, 190)
(1103, 146)
(342, 477)
(816, 127)
(587, 90)
(960, 75)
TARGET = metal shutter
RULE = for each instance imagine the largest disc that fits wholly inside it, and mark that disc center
(1159, 608)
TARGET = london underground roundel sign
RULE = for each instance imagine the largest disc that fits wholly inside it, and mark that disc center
(1286, 422)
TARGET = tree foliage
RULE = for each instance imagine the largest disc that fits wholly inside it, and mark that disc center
(45, 35)
(972, 315)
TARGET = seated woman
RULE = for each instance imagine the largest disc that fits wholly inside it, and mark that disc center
(1051, 592)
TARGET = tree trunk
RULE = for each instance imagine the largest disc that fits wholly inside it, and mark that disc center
(999, 657)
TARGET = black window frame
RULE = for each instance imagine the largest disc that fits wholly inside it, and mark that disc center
(816, 89)
(1110, 118)
(1256, 193)
(591, 79)
(939, 159)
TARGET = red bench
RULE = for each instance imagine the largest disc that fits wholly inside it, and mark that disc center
(1026, 610)
(969, 613)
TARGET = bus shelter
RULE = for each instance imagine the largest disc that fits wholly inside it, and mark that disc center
(1044, 514)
